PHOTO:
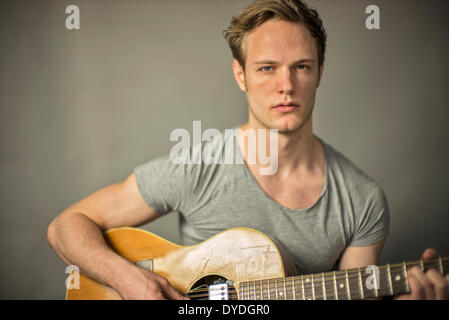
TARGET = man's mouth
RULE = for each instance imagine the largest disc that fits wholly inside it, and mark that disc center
(286, 106)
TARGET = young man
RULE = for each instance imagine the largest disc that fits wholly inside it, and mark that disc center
(324, 210)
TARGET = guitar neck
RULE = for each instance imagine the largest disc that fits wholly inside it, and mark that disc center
(351, 284)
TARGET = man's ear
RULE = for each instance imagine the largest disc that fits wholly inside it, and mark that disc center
(239, 75)
(320, 74)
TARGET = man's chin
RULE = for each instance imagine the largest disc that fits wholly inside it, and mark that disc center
(288, 128)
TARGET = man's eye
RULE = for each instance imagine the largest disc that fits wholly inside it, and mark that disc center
(267, 68)
(302, 66)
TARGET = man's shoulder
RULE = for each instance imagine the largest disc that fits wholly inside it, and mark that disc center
(349, 174)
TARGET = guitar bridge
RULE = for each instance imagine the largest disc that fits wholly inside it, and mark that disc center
(219, 291)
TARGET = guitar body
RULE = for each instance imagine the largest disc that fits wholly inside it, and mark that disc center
(238, 254)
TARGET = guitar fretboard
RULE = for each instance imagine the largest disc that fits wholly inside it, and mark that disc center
(353, 284)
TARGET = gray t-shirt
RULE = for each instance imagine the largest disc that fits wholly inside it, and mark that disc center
(352, 209)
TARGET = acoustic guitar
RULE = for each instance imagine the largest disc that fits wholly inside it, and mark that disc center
(244, 264)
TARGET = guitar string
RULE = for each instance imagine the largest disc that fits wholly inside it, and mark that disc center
(308, 291)
(339, 275)
(252, 292)
(290, 288)
(251, 295)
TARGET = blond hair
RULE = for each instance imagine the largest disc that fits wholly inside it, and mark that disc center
(261, 11)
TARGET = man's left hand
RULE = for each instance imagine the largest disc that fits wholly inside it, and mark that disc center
(429, 285)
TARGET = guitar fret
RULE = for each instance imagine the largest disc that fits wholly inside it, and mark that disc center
(324, 287)
(328, 286)
(372, 290)
(390, 283)
(285, 293)
(361, 284)
(308, 287)
(341, 287)
(382, 284)
(294, 288)
(355, 284)
(276, 283)
(303, 293)
(290, 294)
(241, 291)
(405, 276)
(318, 287)
(376, 284)
(335, 286)
(273, 290)
(313, 288)
(399, 283)
(347, 285)
(264, 296)
(281, 291)
(269, 295)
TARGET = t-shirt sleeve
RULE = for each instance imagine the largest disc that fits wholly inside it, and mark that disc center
(373, 224)
(166, 186)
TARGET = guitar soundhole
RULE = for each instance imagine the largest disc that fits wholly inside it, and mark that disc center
(200, 289)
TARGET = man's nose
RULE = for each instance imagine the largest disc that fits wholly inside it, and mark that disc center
(285, 82)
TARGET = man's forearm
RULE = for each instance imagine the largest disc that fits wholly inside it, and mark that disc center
(79, 241)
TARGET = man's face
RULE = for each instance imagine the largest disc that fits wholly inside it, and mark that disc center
(281, 68)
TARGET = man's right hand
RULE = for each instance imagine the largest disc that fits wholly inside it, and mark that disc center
(149, 286)
(76, 236)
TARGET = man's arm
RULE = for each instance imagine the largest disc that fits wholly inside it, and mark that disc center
(358, 257)
(76, 236)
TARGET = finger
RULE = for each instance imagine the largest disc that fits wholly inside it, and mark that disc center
(416, 290)
(430, 253)
(169, 291)
(440, 283)
(174, 294)
(429, 291)
(447, 279)
(158, 296)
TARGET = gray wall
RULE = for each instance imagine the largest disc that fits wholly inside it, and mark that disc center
(80, 109)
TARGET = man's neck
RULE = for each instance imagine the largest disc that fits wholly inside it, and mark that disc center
(298, 151)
